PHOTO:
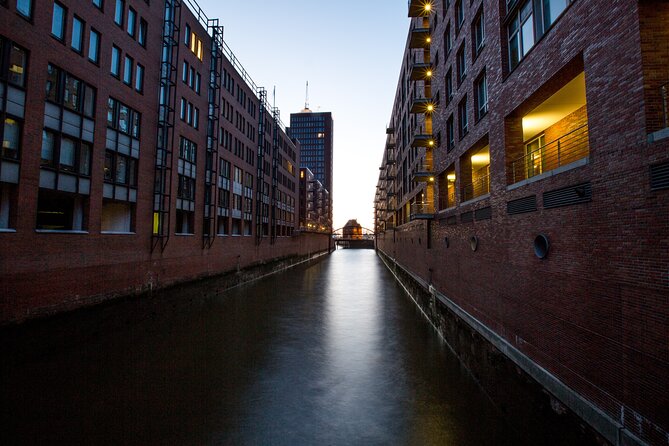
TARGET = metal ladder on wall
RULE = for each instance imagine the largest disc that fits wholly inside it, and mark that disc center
(209, 228)
(260, 177)
(275, 171)
(162, 194)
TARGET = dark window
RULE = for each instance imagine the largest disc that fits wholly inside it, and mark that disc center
(10, 134)
(459, 14)
(462, 64)
(462, 117)
(187, 150)
(98, 4)
(127, 70)
(448, 43)
(139, 78)
(450, 134)
(478, 32)
(13, 65)
(481, 89)
(65, 153)
(141, 37)
(69, 91)
(123, 118)
(449, 86)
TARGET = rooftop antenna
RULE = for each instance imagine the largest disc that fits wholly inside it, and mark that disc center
(306, 100)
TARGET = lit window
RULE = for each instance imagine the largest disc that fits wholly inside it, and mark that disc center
(58, 21)
(77, 35)
(11, 134)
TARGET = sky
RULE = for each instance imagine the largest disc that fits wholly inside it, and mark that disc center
(350, 51)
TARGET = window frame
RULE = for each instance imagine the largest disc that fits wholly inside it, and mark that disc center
(63, 24)
(98, 38)
(82, 32)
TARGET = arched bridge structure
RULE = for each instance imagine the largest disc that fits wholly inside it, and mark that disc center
(357, 241)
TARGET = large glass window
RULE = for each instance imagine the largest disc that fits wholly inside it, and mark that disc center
(16, 71)
(71, 92)
(11, 138)
(123, 118)
(58, 21)
(94, 46)
(77, 41)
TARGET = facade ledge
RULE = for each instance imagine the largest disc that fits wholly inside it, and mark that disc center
(183, 234)
(473, 200)
(659, 135)
(8, 231)
(567, 167)
(117, 233)
(59, 231)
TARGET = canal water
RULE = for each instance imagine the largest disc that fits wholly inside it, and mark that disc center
(332, 353)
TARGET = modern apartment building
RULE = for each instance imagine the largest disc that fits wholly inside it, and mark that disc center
(314, 131)
(314, 203)
(160, 160)
(525, 185)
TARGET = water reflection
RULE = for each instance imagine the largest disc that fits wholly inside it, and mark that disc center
(329, 354)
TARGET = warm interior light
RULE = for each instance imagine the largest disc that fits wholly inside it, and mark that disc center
(431, 179)
(429, 39)
(430, 107)
(429, 73)
(450, 177)
(428, 7)
(431, 143)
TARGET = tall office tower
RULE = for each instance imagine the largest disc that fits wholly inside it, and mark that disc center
(314, 131)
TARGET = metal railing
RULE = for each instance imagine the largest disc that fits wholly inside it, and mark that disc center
(421, 208)
(568, 148)
(480, 186)
(447, 201)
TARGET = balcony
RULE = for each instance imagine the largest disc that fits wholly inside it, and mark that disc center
(421, 102)
(390, 130)
(422, 211)
(547, 157)
(422, 140)
(420, 71)
(423, 173)
(479, 187)
(420, 36)
(419, 8)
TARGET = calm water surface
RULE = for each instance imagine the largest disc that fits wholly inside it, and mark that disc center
(329, 354)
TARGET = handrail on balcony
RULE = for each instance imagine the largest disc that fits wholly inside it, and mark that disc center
(478, 187)
(422, 208)
(564, 150)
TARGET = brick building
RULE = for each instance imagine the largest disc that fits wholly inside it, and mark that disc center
(525, 181)
(160, 160)
(314, 203)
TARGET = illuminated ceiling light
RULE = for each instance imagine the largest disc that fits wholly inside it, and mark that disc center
(431, 179)
(429, 39)
(450, 177)
(429, 73)
(430, 107)
(430, 143)
(428, 7)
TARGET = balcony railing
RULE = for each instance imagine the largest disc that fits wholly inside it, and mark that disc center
(422, 211)
(421, 101)
(568, 148)
(480, 186)
(420, 36)
(447, 201)
(423, 173)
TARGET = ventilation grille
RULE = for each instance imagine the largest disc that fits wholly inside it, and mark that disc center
(659, 176)
(567, 196)
(467, 217)
(483, 213)
(522, 205)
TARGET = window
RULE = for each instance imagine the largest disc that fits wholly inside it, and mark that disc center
(94, 46)
(141, 36)
(449, 86)
(459, 14)
(127, 70)
(65, 153)
(60, 211)
(98, 4)
(116, 61)
(462, 64)
(120, 169)
(25, 8)
(139, 78)
(462, 117)
(58, 21)
(448, 43)
(77, 42)
(132, 19)
(184, 72)
(187, 150)
(70, 92)
(14, 71)
(187, 35)
(123, 118)
(478, 34)
(10, 132)
(118, 12)
(195, 43)
(481, 89)
(198, 81)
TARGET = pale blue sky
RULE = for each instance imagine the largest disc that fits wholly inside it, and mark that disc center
(350, 52)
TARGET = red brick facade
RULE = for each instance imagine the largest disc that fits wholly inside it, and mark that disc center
(81, 223)
(595, 312)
